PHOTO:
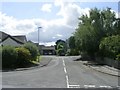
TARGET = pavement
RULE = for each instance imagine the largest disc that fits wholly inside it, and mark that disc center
(102, 68)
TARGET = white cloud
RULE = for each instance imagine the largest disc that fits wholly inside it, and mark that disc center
(52, 30)
(46, 7)
(59, 35)
(48, 43)
(70, 12)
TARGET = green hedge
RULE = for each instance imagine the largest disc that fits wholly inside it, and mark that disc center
(73, 52)
(24, 57)
(110, 46)
(9, 57)
(33, 50)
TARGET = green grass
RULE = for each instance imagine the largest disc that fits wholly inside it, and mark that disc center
(37, 61)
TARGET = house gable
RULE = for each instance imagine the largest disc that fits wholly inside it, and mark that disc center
(10, 41)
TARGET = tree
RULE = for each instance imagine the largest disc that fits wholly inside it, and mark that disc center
(110, 46)
(71, 42)
(61, 47)
(92, 29)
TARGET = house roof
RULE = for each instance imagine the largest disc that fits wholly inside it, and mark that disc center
(19, 39)
(48, 48)
(3, 35)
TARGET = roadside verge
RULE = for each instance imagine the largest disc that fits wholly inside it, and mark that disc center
(43, 62)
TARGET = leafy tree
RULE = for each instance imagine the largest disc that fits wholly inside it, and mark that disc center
(92, 29)
(72, 42)
(61, 47)
(110, 46)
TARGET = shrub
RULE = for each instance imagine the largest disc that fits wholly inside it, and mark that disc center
(9, 57)
(73, 52)
(24, 57)
(118, 57)
(33, 50)
(110, 46)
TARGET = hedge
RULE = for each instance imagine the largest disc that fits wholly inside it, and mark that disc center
(33, 50)
(24, 57)
(110, 47)
(9, 57)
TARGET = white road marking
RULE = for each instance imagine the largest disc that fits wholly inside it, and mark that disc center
(74, 86)
(63, 63)
(67, 81)
(65, 70)
(89, 86)
(105, 87)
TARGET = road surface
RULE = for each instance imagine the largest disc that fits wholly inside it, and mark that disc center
(61, 72)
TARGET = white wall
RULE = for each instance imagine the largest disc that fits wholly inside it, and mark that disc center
(11, 42)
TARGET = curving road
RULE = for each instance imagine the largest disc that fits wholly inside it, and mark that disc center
(61, 72)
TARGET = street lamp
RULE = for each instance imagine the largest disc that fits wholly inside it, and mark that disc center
(38, 40)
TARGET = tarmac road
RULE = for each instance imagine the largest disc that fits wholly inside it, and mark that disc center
(61, 72)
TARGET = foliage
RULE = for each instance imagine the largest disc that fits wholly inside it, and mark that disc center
(24, 57)
(61, 47)
(72, 42)
(9, 57)
(110, 46)
(92, 29)
(118, 57)
(73, 52)
(33, 50)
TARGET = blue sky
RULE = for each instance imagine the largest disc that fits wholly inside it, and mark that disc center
(58, 19)
(24, 10)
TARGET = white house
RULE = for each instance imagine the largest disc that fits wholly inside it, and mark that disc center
(7, 39)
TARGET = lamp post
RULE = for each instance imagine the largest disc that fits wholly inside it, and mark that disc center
(38, 41)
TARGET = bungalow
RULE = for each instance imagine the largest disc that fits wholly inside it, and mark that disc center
(6, 39)
(47, 50)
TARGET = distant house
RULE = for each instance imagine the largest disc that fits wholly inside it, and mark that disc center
(47, 50)
(6, 39)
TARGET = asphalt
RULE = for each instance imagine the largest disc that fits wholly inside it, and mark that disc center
(61, 72)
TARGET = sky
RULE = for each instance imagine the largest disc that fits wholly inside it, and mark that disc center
(57, 18)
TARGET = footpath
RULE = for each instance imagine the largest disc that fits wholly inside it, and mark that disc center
(102, 68)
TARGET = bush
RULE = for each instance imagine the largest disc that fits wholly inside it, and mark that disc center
(24, 57)
(9, 57)
(73, 52)
(110, 46)
(118, 57)
(33, 50)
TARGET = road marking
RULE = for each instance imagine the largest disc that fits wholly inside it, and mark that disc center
(89, 86)
(74, 86)
(105, 87)
(65, 70)
(63, 63)
(67, 80)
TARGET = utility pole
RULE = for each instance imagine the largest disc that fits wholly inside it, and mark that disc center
(38, 41)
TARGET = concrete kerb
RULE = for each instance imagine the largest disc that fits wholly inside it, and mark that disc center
(30, 68)
(103, 71)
